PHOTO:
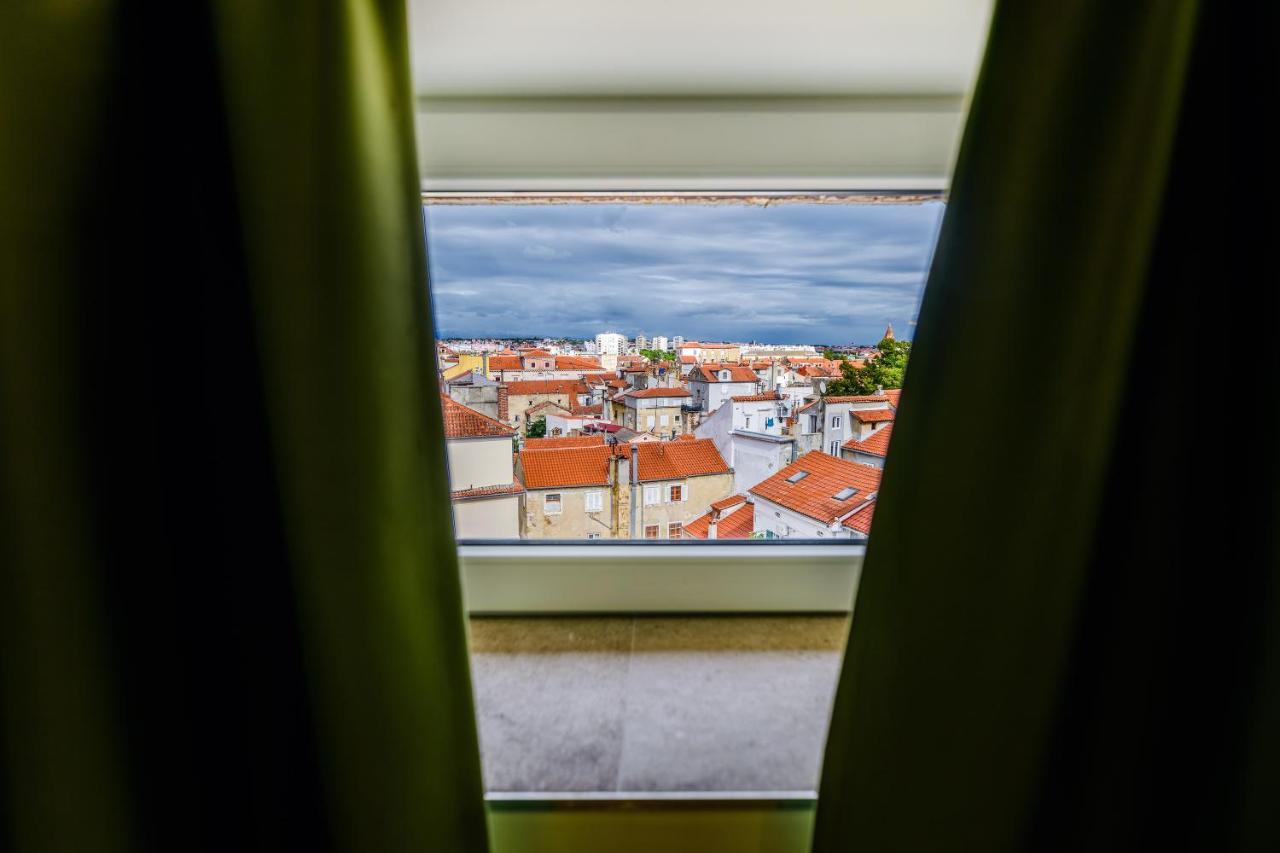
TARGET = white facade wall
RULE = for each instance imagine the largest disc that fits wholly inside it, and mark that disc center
(487, 518)
(610, 343)
(475, 463)
(659, 342)
(778, 522)
(756, 459)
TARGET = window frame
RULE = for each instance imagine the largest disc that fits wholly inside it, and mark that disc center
(766, 575)
(559, 502)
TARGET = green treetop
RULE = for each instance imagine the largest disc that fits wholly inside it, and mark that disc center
(883, 371)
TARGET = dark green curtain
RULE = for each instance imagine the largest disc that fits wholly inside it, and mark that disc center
(230, 615)
(1066, 632)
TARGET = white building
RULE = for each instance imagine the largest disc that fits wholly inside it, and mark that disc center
(659, 343)
(486, 495)
(853, 417)
(676, 342)
(610, 343)
(641, 342)
(817, 497)
(713, 384)
(748, 432)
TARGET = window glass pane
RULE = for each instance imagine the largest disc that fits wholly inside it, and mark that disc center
(735, 365)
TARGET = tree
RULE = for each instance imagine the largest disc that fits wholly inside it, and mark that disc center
(658, 355)
(832, 355)
(536, 428)
(885, 370)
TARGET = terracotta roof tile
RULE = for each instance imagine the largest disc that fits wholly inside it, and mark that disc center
(563, 441)
(876, 444)
(674, 460)
(513, 488)
(732, 500)
(566, 467)
(646, 393)
(574, 362)
(858, 398)
(505, 362)
(525, 387)
(756, 398)
(463, 422)
(738, 524)
(861, 520)
(814, 495)
(872, 416)
(737, 373)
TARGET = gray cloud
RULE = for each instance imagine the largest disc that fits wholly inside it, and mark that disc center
(790, 273)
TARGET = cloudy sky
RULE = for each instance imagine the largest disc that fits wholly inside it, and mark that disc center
(787, 274)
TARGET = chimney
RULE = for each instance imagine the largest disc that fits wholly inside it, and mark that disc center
(711, 527)
(879, 390)
(502, 403)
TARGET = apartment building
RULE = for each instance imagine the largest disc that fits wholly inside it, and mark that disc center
(485, 493)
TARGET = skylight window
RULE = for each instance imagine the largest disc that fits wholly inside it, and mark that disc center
(596, 355)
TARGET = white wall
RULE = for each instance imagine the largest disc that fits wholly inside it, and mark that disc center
(786, 524)
(475, 463)
(487, 518)
(756, 459)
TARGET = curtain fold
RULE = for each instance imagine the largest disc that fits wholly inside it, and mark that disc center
(230, 611)
(1065, 632)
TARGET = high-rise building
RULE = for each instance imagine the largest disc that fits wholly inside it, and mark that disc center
(677, 342)
(642, 342)
(610, 343)
(659, 343)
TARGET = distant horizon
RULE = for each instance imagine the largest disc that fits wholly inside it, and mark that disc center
(687, 340)
(785, 274)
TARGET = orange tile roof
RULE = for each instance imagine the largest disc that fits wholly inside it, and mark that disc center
(894, 395)
(737, 373)
(876, 444)
(738, 524)
(732, 500)
(574, 362)
(596, 409)
(688, 359)
(535, 353)
(756, 398)
(505, 362)
(872, 416)
(566, 467)
(644, 393)
(858, 398)
(814, 495)
(525, 387)
(563, 441)
(513, 488)
(861, 520)
(685, 436)
(674, 460)
(463, 422)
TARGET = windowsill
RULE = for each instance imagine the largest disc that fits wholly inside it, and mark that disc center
(660, 576)
(644, 708)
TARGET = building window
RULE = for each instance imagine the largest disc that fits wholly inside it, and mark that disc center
(746, 422)
(675, 530)
(664, 420)
(651, 531)
(594, 502)
(676, 494)
(593, 535)
(835, 422)
(551, 504)
(652, 495)
(835, 448)
(650, 421)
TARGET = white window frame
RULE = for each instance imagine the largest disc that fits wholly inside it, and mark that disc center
(835, 422)
(655, 576)
(594, 501)
(684, 492)
(652, 495)
(559, 503)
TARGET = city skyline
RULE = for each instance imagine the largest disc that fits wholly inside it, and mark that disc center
(796, 273)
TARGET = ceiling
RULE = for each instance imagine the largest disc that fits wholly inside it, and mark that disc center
(683, 93)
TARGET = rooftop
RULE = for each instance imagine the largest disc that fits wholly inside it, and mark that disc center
(814, 495)
(876, 444)
(463, 422)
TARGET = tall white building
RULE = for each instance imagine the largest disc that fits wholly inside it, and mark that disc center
(677, 342)
(642, 342)
(610, 343)
(658, 342)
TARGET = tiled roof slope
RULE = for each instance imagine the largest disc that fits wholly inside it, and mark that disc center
(673, 460)
(756, 398)
(861, 520)
(814, 495)
(546, 386)
(737, 373)
(738, 524)
(513, 488)
(658, 392)
(563, 441)
(872, 416)
(566, 467)
(860, 398)
(463, 422)
(505, 362)
(876, 444)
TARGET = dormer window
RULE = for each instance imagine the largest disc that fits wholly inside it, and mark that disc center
(724, 375)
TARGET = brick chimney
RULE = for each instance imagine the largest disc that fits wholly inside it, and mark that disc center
(502, 403)
(711, 526)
